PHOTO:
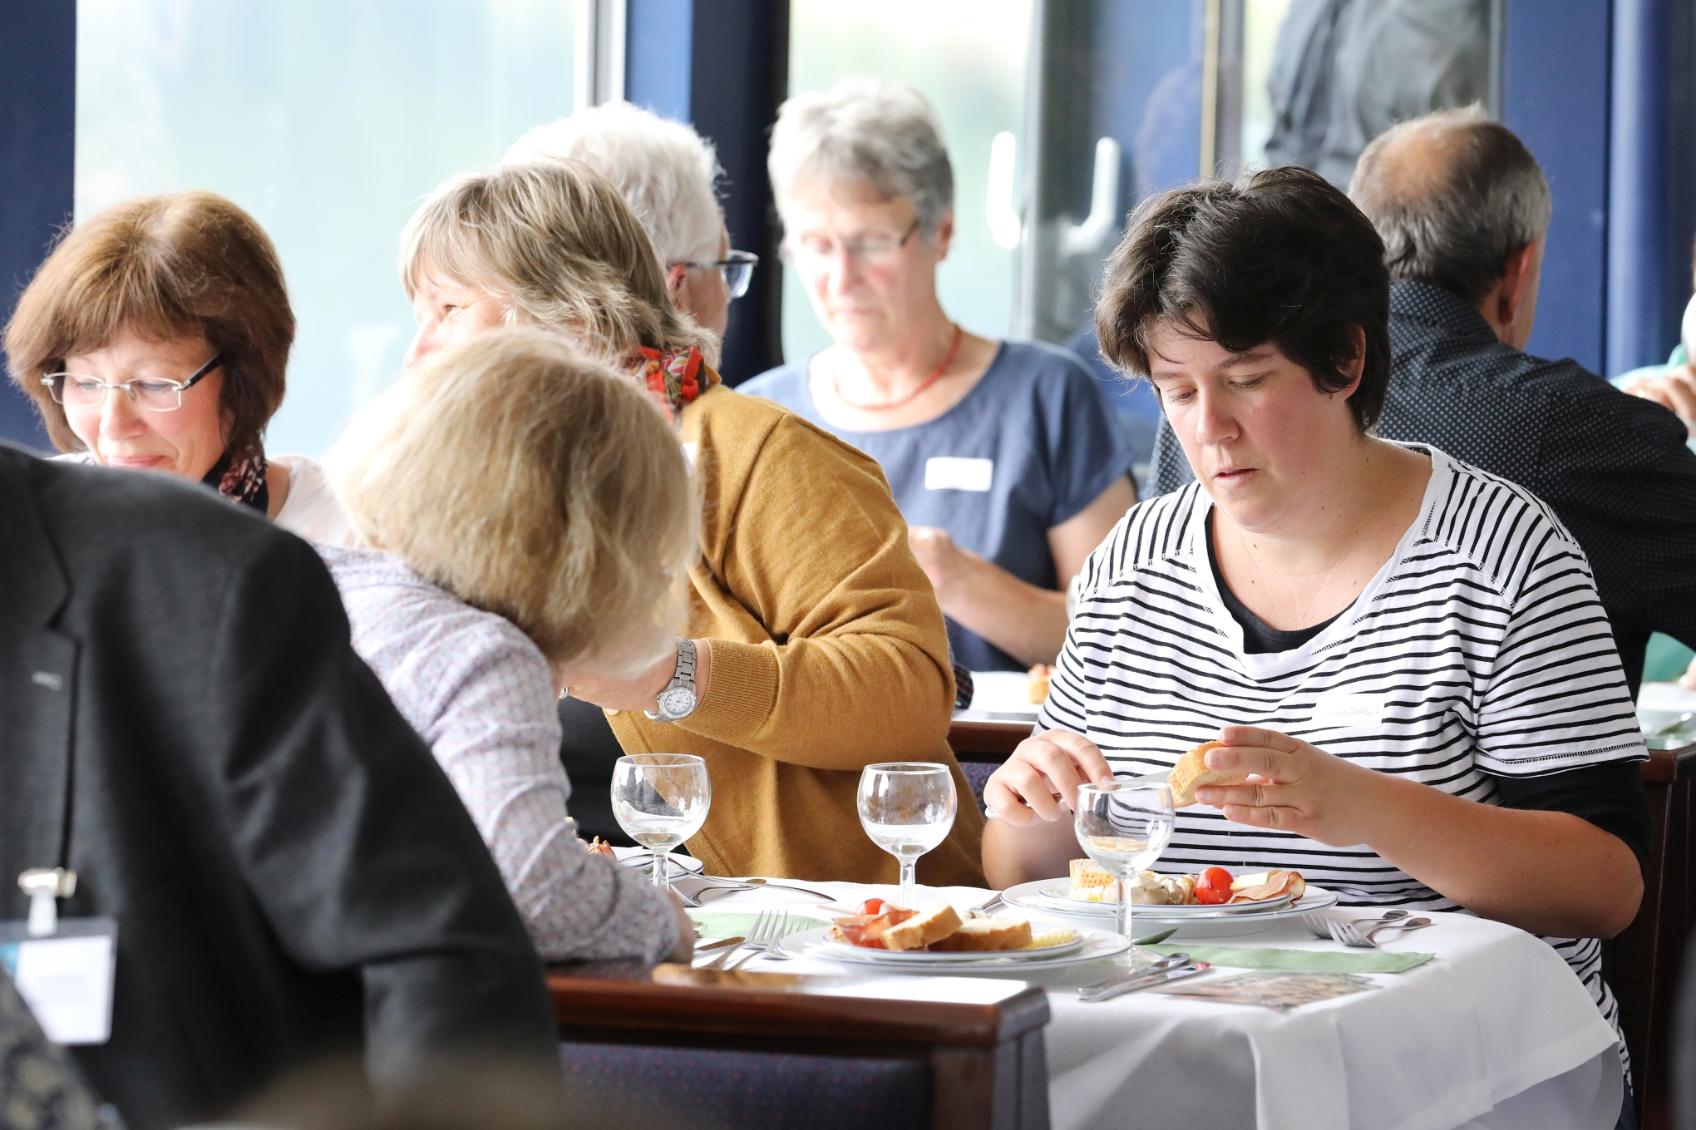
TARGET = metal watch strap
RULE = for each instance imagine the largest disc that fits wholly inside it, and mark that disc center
(682, 679)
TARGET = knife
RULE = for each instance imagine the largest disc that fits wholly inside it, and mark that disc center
(1131, 982)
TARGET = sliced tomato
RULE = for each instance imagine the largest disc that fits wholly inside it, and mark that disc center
(872, 906)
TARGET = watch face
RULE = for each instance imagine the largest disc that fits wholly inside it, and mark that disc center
(677, 702)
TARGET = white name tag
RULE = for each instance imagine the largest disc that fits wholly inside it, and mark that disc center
(1352, 710)
(955, 472)
(65, 979)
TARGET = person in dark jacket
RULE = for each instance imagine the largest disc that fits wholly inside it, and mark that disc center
(184, 726)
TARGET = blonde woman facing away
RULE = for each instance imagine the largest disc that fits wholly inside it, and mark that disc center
(817, 645)
(526, 510)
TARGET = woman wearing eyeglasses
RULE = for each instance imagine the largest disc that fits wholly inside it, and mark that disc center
(814, 644)
(155, 337)
(1004, 456)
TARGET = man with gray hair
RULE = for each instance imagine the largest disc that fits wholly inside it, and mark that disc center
(666, 172)
(1463, 210)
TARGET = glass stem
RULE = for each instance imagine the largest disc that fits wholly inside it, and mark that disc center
(658, 872)
(909, 882)
(1125, 911)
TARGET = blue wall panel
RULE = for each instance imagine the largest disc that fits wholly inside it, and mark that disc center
(38, 55)
(1652, 192)
(1556, 97)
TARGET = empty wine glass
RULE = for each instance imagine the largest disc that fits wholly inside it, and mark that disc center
(1124, 826)
(660, 800)
(907, 808)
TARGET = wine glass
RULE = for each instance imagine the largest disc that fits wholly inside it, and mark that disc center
(907, 808)
(1124, 826)
(660, 800)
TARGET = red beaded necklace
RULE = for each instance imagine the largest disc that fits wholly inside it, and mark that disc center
(935, 375)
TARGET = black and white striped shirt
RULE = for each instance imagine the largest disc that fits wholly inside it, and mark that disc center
(1478, 651)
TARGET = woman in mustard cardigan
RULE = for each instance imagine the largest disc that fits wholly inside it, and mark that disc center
(817, 646)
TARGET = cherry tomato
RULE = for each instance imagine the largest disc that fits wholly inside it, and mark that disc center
(1212, 896)
(1215, 878)
(875, 906)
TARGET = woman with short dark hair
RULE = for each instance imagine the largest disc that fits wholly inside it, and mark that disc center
(1404, 658)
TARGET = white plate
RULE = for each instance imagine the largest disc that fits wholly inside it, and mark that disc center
(1052, 892)
(1093, 945)
(1002, 693)
(642, 857)
(1187, 920)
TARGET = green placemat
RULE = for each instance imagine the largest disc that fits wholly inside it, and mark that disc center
(1301, 961)
(728, 924)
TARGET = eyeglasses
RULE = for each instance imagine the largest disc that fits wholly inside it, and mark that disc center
(738, 268)
(865, 248)
(74, 390)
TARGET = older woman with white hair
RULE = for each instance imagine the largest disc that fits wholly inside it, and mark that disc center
(667, 174)
(521, 507)
(810, 625)
(1004, 456)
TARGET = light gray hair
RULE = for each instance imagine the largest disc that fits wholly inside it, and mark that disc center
(879, 133)
(665, 171)
(1453, 195)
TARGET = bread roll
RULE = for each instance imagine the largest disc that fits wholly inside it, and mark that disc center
(922, 929)
(986, 935)
(1191, 772)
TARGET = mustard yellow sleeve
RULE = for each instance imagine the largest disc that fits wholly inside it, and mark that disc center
(839, 655)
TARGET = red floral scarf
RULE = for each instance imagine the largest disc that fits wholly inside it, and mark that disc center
(676, 377)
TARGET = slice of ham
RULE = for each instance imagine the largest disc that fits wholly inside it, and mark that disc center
(1268, 885)
(867, 929)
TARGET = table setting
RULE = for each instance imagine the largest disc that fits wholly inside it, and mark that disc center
(1283, 1010)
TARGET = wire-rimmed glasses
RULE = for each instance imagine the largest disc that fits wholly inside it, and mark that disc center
(79, 390)
(1124, 826)
(660, 800)
(736, 266)
(870, 248)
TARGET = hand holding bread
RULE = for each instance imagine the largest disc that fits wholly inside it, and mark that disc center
(1288, 784)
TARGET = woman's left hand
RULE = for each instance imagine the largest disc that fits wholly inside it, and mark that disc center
(642, 690)
(1300, 788)
(942, 559)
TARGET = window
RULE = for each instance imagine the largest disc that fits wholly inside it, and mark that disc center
(327, 121)
(968, 58)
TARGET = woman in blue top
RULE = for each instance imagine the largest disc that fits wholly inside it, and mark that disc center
(1004, 456)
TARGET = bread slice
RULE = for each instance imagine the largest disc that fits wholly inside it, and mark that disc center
(1191, 772)
(1091, 884)
(922, 929)
(987, 934)
(1036, 683)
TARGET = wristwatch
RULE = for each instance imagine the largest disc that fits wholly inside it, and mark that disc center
(677, 700)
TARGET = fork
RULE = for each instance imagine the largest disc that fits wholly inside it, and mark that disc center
(1351, 935)
(722, 961)
(768, 930)
(1319, 923)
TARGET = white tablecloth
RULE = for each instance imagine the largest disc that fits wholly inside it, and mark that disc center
(1496, 1032)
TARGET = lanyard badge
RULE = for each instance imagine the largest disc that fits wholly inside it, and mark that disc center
(63, 968)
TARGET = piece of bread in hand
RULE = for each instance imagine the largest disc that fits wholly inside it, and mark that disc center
(1191, 772)
(986, 934)
(922, 929)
